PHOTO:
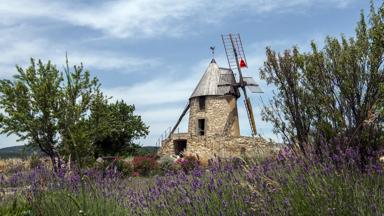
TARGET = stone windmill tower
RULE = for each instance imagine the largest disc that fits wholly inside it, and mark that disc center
(213, 108)
(213, 125)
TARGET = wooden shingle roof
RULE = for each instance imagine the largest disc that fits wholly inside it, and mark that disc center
(213, 80)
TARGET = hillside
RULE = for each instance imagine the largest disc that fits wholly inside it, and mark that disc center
(17, 151)
(23, 151)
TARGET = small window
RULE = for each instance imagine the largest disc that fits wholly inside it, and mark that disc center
(202, 103)
(201, 127)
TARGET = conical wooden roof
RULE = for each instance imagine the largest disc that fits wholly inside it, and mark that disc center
(212, 78)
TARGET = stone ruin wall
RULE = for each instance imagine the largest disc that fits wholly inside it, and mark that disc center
(218, 146)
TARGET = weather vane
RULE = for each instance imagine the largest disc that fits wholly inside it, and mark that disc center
(213, 51)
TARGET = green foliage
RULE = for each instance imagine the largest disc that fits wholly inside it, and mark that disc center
(166, 164)
(147, 151)
(28, 111)
(42, 106)
(125, 167)
(65, 114)
(78, 94)
(116, 127)
(313, 192)
(332, 93)
(15, 206)
(65, 203)
(34, 161)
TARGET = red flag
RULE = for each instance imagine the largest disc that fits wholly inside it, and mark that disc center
(242, 63)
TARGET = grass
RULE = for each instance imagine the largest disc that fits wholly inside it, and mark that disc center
(15, 206)
(62, 203)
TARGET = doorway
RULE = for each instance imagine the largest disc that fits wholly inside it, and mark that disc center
(179, 146)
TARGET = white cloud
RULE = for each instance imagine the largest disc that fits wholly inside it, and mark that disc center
(18, 44)
(147, 18)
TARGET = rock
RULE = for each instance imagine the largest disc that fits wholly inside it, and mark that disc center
(99, 160)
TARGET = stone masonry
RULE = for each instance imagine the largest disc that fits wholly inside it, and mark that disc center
(219, 111)
(216, 145)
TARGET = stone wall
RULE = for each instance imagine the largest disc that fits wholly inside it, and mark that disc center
(218, 145)
(219, 112)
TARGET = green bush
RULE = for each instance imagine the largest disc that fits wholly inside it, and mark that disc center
(34, 161)
(125, 167)
(166, 164)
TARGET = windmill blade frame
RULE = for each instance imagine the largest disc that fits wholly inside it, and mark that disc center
(179, 120)
(235, 54)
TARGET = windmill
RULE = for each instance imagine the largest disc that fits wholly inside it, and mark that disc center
(218, 81)
(236, 60)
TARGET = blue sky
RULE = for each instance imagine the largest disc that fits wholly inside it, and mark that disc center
(152, 53)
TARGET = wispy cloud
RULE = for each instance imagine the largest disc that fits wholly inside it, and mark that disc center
(147, 18)
(17, 48)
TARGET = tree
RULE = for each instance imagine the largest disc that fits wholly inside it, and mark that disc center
(332, 95)
(66, 114)
(28, 111)
(45, 108)
(78, 94)
(116, 127)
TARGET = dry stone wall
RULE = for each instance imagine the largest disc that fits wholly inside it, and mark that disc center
(218, 145)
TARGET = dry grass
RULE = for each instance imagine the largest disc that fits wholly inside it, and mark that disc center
(3, 164)
(12, 165)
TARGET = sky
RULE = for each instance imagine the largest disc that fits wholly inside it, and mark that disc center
(152, 53)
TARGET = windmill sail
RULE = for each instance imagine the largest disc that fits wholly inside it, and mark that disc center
(252, 85)
(236, 60)
(251, 118)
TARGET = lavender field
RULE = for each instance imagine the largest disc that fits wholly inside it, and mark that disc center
(284, 184)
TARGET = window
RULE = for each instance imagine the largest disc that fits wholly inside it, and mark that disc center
(201, 127)
(202, 103)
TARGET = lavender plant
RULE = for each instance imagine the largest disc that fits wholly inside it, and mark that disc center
(284, 184)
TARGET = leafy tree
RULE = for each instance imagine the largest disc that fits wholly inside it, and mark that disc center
(31, 107)
(43, 107)
(66, 114)
(331, 95)
(78, 94)
(116, 127)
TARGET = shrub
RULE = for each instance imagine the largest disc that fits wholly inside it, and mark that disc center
(166, 164)
(34, 161)
(144, 165)
(125, 167)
